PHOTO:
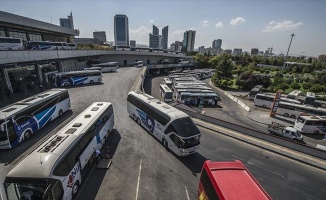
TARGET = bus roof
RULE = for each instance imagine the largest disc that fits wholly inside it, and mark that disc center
(25, 103)
(165, 88)
(156, 103)
(313, 118)
(40, 162)
(105, 64)
(232, 180)
(310, 94)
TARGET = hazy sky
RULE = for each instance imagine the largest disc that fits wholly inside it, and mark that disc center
(242, 24)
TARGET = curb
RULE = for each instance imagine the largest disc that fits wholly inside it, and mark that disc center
(255, 120)
(257, 144)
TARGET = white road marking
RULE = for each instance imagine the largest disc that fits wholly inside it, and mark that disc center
(187, 193)
(138, 180)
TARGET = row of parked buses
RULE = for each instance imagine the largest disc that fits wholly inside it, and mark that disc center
(7, 43)
(185, 88)
(55, 168)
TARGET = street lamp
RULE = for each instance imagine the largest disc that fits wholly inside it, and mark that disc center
(287, 53)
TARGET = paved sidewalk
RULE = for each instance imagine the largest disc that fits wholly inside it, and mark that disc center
(321, 164)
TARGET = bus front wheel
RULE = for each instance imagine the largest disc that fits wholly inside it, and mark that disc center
(27, 134)
(165, 144)
(134, 117)
(91, 82)
(286, 115)
(316, 132)
(60, 113)
(138, 121)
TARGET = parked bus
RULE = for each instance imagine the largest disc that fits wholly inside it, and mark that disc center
(310, 98)
(41, 45)
(72, 46)
(139, 63)
(123, 48)
(177, 92)
(173, 76)
(7, 43)
(56, 168)
(166, 93)
(20, 120)
(229, 180)
(64, 79)
(184, 79)
(108, 66)
(194, 83)
(266, 101)
(295, 110)
(294, 94)
(173, 128)
(255, 90)
(195, 98)
(311, 124)
(167, 82)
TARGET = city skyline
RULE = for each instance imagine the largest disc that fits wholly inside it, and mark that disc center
(240, 24)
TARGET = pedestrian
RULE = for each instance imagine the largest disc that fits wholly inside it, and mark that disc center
(98, 155)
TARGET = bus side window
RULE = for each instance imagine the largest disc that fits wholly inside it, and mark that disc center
(11, 132)
(170, 129)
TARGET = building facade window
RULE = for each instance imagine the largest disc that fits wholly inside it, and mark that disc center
(20, 35)
(2, 33)
(35, 37)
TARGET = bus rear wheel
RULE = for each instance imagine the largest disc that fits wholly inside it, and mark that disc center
(286, 115)
(138, 121)
(316, 132)
(293, 116)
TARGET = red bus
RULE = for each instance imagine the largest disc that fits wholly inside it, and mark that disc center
(228, 180)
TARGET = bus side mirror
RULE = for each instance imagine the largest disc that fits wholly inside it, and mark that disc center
(2, 128)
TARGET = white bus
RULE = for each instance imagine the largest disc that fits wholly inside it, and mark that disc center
(166, 93)
(173, 128)
(193, 83)
(177, 92)
(108, 66)
(64, 79)
(294, 94)
(295, 110)
(167, 82)
(311, 124)
(195, 98)
(266, 101)
(173, 76)
(310, 98)
(255, 90)
(7, 43)
(72, 46)
(139, 63)
(56, 168)
(20, 120)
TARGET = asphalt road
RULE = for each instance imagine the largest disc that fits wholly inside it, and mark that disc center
(143, 169)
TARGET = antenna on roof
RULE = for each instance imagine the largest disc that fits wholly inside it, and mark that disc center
(41, 160)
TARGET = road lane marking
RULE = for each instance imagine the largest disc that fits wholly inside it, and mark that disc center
(187, 193)
(138, 179)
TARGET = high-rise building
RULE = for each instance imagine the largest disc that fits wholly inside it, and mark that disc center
(133, 43)
(154, 41)
(217, 44)
(156, 31)
(121, 30)
(100, 35)
(165, 35)
(228, 51)
(189, 40)
(254, 51)
(67, 22)
(237, 51)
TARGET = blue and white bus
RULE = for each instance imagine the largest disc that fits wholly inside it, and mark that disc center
(175, 129)
(56, 168)
(64, 79)
(20, 120)
(7, 43)
(41, 45)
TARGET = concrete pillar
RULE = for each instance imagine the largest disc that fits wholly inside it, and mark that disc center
(39, 73)
(6, 79)
(59, 66)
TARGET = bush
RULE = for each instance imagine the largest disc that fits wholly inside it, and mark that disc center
(306, 86)
(295, 86)
(283, 86)
(317, 88)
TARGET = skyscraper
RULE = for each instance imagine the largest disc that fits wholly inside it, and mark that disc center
(189, 40)
(133, 43)
(165, 35)
(154, 41)
(100, 35)
(217, 44)
(67, 22)
(155, 30)
(121, 30)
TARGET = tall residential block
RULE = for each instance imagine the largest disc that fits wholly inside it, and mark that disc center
(217, 44)
(254, 51)
(165, 36)
(189, 40)
(121, 30)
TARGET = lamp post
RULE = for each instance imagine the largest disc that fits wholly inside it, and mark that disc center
(288, 50)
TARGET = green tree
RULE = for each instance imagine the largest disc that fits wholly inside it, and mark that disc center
(295, 86)
(317, 88)
(306, 86)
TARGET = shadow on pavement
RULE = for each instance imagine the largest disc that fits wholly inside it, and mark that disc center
(7, 156)
(315, 136)
(193, 162)
(284, 120)
(148, 85)
(96, 176)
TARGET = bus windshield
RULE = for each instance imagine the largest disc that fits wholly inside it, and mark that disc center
(25, 189)
(185, 127)
(168, 95)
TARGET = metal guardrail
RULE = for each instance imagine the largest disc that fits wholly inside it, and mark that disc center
(260, 135)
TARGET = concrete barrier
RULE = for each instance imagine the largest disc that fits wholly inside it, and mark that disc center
(237, 100)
